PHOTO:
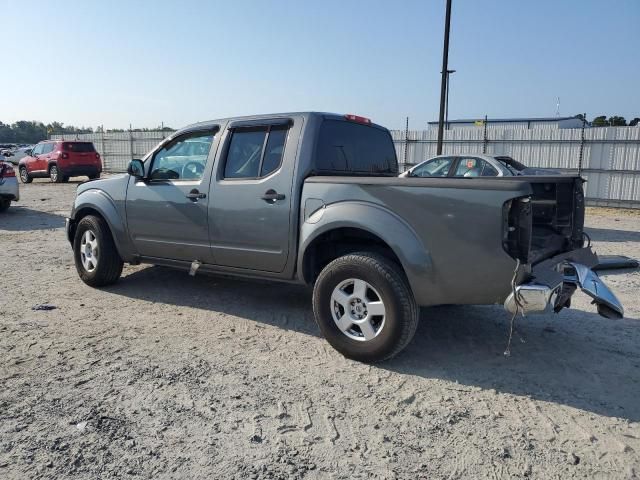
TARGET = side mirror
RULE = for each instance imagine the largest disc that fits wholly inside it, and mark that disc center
(136, 168)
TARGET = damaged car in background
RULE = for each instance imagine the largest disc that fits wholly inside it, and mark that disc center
(315, 198)
(469, 166)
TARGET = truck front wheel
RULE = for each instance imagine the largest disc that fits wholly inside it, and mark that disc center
(96, 257)
(364, 307)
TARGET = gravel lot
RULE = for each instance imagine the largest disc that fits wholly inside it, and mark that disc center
(166, 376)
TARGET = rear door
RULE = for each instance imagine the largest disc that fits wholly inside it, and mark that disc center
(43, 159)
(251, 191)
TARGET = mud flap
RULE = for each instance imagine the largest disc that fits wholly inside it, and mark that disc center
(608, 304)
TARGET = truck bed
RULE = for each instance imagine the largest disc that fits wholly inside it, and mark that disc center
(473, 228)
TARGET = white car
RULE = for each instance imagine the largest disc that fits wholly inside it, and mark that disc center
(9, 190)
(464, 166)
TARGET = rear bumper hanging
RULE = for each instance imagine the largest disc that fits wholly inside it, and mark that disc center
(553, 282)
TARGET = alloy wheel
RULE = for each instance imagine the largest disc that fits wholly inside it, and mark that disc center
(89, 251)
(358, 310)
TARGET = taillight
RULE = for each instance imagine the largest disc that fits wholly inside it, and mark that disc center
(64, 155)
(357, 119)
(7, 170)
(97, 155)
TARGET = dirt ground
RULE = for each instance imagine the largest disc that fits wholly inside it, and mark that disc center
(167, 376)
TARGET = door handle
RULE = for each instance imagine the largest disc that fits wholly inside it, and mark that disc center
(194, 195)
(271, 196)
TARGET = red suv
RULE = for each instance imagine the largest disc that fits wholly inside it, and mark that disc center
(60, 160)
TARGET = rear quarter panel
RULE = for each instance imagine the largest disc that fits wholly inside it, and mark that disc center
(456, 224)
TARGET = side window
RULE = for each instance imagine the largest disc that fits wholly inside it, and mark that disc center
(488, 170)
(48, 147)
(438, 167)
(184, 158)
(37, 150)
(255, 152)
(475, 167)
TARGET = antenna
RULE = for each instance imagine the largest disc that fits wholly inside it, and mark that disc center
(558, 107)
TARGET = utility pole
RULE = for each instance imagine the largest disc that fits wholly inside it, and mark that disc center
(445, 74)
(446, 109)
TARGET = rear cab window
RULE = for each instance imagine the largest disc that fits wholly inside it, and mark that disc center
(345, 147)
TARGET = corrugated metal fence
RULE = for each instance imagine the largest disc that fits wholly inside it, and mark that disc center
(610, 156)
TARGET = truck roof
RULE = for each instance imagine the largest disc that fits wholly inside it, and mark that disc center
(325, 115)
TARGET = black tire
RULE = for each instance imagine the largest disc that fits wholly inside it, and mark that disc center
(401, 311)
(55, 175)
(109, 264)
(5, 203)
(94, 177)
(24, 175)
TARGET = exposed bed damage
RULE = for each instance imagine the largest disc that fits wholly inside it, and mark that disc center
(541, 226)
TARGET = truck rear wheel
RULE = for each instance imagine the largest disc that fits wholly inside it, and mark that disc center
(96, 257)
(364, 307)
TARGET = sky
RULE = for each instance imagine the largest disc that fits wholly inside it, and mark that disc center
(116, 63)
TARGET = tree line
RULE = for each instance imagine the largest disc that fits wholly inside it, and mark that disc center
(613, 121)
(25, 131)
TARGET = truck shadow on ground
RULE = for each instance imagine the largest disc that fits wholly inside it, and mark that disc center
(577, 359)
(22, 219)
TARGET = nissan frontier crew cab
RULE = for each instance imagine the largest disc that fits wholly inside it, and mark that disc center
(314, 198)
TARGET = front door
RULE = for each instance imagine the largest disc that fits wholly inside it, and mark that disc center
(34, 162)
(249, 212)
(167, 211)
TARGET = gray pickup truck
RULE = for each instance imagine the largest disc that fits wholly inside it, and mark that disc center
(314, 198)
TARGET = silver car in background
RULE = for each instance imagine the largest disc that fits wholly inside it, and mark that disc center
(9, 190)
(18, 154)
(465, 166)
